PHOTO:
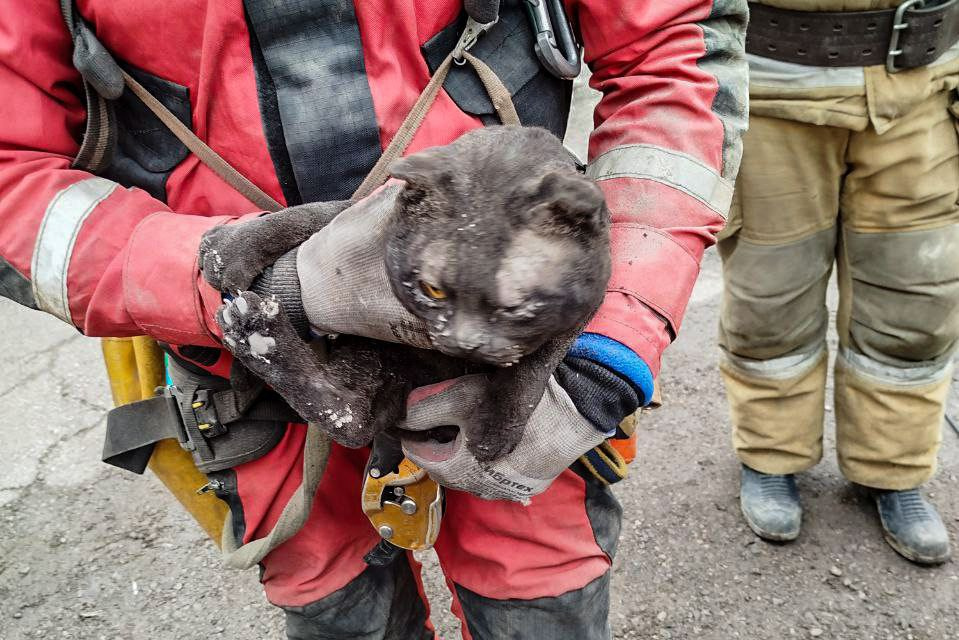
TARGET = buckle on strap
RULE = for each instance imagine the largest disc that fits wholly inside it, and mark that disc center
(196, 410)
(899, 24)
(471, 33)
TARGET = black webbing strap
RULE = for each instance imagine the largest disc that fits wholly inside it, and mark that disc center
(269, 408)
(133, 430)
(483, 11)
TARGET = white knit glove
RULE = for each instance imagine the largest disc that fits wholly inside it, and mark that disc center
(555, 436)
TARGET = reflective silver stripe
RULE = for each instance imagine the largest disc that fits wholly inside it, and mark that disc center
(766, 72)
(784, 368)
(789, 75)
(61, 224)
(914, 374)
(673, 168)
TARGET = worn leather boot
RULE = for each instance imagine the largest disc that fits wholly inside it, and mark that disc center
(912, 526)
(770, 504)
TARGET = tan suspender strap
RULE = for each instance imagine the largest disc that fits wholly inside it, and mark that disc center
(498, 93)
(404, 135)
(201, 150)
(316, 453)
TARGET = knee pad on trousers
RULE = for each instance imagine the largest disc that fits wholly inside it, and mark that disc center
(382, 603)
(776, 408)
(889, 420)
(904, 290)
(582, 614)
(774, 300)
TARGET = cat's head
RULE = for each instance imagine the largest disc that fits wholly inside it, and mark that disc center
(498, 243)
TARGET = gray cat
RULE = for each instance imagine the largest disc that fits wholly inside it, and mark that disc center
(495, 241)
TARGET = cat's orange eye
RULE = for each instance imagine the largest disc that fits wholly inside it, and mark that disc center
(433, 292)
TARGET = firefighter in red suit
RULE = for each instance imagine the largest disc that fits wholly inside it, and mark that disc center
(302, 96)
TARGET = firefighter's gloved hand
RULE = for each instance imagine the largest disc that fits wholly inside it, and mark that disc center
(559, 431)
(343, 281)
(333, 281)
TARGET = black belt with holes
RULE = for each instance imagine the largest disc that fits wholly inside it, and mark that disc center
(912, 35)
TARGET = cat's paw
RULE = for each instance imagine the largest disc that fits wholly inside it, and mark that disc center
(365, 397)
(354, 418)
(229, 257)
(254, 329)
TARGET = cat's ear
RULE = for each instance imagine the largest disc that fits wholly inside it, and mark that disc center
(423, 170)
(567, 203)
(425, 174)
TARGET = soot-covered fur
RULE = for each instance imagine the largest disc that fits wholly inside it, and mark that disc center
(496, 242)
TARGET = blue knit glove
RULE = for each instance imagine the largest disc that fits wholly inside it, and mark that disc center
(605, 380)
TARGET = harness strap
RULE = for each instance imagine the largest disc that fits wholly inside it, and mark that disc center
(316, 454)
(499, 96)
(208, 423)
(130, 448)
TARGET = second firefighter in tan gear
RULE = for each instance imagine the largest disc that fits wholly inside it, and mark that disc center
(857, 167)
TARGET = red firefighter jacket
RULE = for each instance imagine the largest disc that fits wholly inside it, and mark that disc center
(301, 97)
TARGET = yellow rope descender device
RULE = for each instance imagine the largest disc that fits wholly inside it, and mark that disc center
(405, 507)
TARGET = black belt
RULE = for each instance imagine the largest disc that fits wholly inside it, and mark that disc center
(912, 35)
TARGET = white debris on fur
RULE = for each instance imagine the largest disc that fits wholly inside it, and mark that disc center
(261, 358)
(217, 258)
(338, 419)
(261, 345)
(270, 307)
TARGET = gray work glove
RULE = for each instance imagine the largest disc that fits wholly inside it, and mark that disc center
(333, 281)
(556, 435)
(343, 282)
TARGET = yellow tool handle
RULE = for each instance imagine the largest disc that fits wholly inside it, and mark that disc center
(135, 368)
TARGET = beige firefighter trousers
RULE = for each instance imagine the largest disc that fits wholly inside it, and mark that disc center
(884, 209)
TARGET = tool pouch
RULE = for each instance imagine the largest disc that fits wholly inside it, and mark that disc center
(204, 415)
(124, 140)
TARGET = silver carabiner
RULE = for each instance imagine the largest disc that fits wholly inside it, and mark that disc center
(556, 46)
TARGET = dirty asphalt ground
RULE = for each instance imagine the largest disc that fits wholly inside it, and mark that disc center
(91, 552)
